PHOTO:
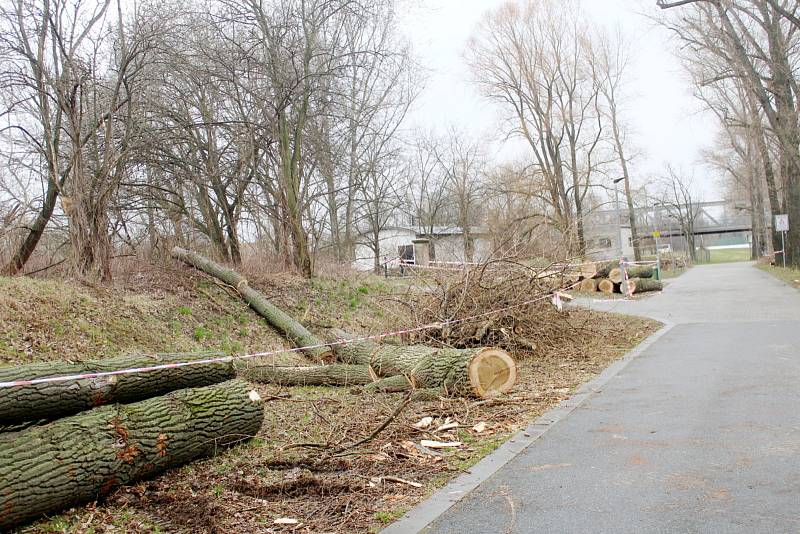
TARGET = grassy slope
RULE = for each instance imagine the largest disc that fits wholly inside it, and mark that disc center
(788, 275)
(245, 489)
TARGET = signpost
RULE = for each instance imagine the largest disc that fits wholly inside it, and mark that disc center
(656, 235)
(782, 226)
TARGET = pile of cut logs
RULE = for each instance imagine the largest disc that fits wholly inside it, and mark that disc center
(67, 442)
(609, 278)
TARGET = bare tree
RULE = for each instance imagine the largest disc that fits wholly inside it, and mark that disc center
(534, 60)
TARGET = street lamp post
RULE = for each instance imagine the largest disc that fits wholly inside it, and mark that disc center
(616, 211)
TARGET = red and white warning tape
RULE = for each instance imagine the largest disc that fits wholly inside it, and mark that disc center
(225, 359)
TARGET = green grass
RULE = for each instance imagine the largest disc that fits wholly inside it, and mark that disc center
(789, 275)
(729, 255)
(672, 273)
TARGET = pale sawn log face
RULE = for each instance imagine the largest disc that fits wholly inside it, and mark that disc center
(45, 469)
(59, 399)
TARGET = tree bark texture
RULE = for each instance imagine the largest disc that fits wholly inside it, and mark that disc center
(58, 399)
(45, 469)
(320, 375)
(276, 317)
(641, 285)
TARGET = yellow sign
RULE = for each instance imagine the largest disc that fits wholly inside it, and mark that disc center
(656, 234)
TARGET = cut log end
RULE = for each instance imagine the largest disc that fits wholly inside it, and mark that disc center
(492, 372)
(606, 286)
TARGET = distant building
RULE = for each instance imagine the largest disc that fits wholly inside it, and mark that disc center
(439, 245)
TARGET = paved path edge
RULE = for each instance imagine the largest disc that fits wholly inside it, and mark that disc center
(422, 515)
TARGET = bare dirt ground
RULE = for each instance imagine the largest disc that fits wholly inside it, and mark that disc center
(319, 463)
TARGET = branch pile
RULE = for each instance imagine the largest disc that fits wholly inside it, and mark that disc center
(519, 325)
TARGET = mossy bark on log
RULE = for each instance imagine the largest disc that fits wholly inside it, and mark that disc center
(641, 271)
(605, 285)
(45, 469)
(51, 400)
(642, 285)
(634, 271)
(482, 372)
(320, 375)
(276, 317)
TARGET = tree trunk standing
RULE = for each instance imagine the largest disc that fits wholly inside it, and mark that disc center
(765, 159)
(35, 231)
(637, 252)
(51, 400)
(45, 469)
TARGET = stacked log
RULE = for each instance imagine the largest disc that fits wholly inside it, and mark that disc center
(588, 285)
(51, 400)
(47, 468)
(606, 286)
(641, 285)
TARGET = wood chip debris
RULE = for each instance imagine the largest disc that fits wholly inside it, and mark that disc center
(286, 521)
(423, 423)
(480, 427)
(431, 444)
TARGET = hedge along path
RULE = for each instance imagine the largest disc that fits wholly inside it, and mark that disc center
(290, 328)
(47, 468)
(51, 400)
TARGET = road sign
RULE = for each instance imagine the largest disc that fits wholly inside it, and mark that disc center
(781, 223)
(656, 234)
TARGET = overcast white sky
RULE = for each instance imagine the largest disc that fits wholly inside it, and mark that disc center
(665, 119)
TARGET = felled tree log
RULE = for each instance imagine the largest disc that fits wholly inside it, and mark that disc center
(481, 372)
(588, 270)
(320, 375)
(588, 285)
(605, 285)
(47, 468)
(634, 271)
(57, 399)
(641, 271)
(603, 269)
(276, 317)
(642, 285)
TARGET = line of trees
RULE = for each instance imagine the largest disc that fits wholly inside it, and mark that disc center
(742, 55)
(132, 127)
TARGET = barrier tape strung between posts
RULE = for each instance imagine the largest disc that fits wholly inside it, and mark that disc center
(554, 294)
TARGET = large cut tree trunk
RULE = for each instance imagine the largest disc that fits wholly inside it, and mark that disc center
(51, 400)
(481, 372)
(45, 469)
(634, 271)
(603, 269)
(292, 329)
(640, 285)
(318, 375)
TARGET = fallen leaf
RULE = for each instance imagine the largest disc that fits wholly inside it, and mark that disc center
(480, 427)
